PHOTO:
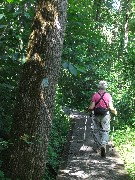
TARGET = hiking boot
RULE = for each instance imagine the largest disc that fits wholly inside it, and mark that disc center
(103, 151)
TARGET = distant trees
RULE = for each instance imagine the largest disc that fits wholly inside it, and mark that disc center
(99, 45)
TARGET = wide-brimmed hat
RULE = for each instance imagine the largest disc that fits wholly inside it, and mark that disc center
(102, 85)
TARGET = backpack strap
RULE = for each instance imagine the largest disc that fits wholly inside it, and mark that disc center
(101, 97)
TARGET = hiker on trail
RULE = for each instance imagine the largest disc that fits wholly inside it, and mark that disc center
(100, 105)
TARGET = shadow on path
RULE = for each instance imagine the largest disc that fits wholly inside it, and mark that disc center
(80, 162)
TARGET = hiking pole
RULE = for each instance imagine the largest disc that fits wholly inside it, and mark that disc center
(92, 120)
(112, 137)
(113, 127)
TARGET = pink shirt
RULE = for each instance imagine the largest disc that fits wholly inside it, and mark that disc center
(107, 98)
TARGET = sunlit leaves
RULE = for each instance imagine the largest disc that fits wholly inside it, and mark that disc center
(65, 65)
(16, 19)
(132, 25)
(125, 142)
(2, 26)
(80, 69)
(1, 16)
(11, 1)
(74, 69)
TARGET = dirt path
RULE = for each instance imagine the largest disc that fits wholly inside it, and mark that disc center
(79, 160)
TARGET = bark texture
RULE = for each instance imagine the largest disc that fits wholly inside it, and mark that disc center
(27, 154)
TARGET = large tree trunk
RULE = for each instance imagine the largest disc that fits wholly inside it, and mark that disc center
(31, 126)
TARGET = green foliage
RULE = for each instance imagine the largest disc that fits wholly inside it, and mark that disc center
(91, 53)
(16, 19)
(125, 143)
(9, 72)
(59, 130)
(3, 145)
(99, 56)
(1, 175)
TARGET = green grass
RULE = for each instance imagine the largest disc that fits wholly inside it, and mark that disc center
(124, 141)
